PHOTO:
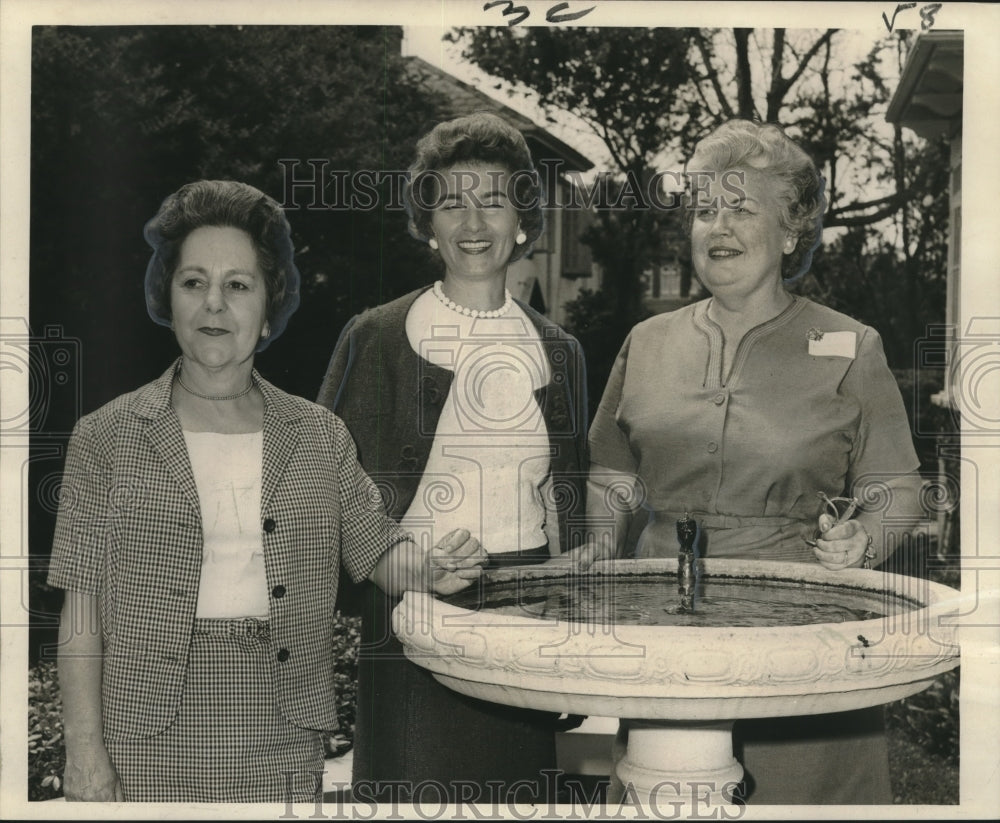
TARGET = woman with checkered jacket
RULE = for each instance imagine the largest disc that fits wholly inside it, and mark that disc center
(203, 522)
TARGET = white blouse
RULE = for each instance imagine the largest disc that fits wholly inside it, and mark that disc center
(490, 457)
(227, 471)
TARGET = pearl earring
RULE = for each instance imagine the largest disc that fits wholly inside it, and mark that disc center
(266, 332)
(520, 238)
(433, 243)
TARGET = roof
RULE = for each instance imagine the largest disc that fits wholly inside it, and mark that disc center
(466, 99)
(928, 98)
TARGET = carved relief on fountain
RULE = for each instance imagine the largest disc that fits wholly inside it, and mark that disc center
(915, 640)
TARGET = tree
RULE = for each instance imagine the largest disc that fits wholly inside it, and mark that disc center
(122, 116)
(650, 94)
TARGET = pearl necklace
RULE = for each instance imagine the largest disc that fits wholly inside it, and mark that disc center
(451, 304)
(242, 393)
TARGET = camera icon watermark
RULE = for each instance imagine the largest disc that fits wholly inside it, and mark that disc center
(40, 378)
(970, 366)
(498, 379)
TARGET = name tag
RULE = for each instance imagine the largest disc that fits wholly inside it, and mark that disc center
(834, 344)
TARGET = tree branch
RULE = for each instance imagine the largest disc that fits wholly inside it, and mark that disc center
(861, 219)
(776, 92)
(896, 199)
(781, 85)
(712, 75)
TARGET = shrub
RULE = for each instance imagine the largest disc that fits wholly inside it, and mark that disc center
(930, 718)
(46, 753)
(346, 639)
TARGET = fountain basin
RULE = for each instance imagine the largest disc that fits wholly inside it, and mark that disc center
(689, 672)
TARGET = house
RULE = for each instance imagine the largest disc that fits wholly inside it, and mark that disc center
(928, 101)
(559, 265)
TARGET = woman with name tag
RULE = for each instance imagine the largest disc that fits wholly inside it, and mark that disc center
(752, 412)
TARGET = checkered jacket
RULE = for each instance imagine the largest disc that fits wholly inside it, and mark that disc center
(129, 531)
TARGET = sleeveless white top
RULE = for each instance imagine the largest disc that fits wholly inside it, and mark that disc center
(227, 471)
(490, 456)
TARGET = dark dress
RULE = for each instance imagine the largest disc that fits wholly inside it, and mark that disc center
(411, 730)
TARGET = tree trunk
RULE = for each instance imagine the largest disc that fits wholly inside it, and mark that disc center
(744, 91)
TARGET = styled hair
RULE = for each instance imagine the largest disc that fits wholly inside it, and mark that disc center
(766, 147)
(224, 203)
(479, 138)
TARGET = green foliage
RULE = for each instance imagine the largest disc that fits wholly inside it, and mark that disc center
(346, 640)
(46, 752)
(122, 116)
(931, 718)
(623, 82)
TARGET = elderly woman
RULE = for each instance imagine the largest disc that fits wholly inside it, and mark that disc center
(741, 409)
(467, 408)
(203, 524)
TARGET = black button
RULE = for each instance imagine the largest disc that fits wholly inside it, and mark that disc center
(270, 525)
(283, 655)
(278, 591)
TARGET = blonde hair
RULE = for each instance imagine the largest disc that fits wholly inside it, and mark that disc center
(766, 148)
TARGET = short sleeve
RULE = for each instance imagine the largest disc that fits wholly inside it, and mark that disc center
(609, 443)
(366, 531)
(82, 521)
(883, 445)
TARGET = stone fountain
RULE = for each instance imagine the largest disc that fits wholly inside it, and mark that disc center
(587, 643)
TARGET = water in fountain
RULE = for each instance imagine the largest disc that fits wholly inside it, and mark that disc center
(652, 601)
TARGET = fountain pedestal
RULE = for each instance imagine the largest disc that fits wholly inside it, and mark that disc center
(686, 767)
(684, 685)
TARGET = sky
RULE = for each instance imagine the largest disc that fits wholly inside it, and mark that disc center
(426, 41)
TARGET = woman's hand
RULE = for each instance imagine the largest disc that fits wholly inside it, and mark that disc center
(455, 562)
(91, 777)
(841, 546)
(90, 774)
(583, 557)
(448, 567)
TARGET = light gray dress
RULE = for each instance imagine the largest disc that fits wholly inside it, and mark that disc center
(745, 454)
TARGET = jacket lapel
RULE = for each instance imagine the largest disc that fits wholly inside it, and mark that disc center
(163, 428)
(167, 439)
(281, 434)
(281, 437)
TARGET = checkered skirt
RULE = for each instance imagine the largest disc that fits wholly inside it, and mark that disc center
(229, 742)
